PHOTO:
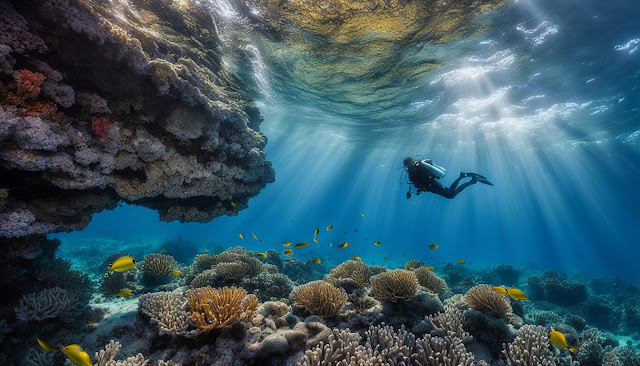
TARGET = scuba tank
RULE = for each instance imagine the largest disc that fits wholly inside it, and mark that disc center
(438, 171)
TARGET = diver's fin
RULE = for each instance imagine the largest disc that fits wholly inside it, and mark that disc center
(475, 175)
(484, 181)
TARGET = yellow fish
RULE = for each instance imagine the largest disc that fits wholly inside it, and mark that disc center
(261, 255)
(124, 293)
(385, 258)
(559, 340)
(316, 261)
(344, 245)
(315, 241)
(330, 244)
(175, 273)
(301, 245)
(500, 290)
(356, 258)
(434, 246)
(206, 250)
(430, 268)
(361, 214)
(254, 236)
(233, 204)
(461, 261)
(76, 355)
(516, 294)
(91, 324)
(47, 346)
(378, 243)
(288, 251)
(316, 232)
(330, 227)
(287, 243)
(241, 236)
(123, 264)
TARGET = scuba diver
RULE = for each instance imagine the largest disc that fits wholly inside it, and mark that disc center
(423, 174)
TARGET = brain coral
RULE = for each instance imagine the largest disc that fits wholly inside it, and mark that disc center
(319, 298)
(395, 285)
(483, 298)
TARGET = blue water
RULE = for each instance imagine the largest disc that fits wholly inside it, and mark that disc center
(545, 102)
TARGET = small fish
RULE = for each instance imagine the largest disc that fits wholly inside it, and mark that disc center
(288, 251)
(500, 290)
(287, 243)
(356, 258)
(123, 264)
(330, 227)
(315, 241)
(261, 255)
(516, 294)
(76, 355)
(261, 241)
(385, 258)
(47, 346)
(378, 243)
(91, 324)
(206, 250)
(301, 245)
(344, 245)
(330, 244)
(434, 246)
(316, 232)
(233, 204)
(241, 236)
(559, 340)
(361, 214)
(461, 261)
(429, 268)
(254, 236)
(124, 293)
(316, 261)
(175, 273)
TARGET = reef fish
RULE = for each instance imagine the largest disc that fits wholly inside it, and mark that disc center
(206, 250)
(261, 255)
(344, 245)
(74, 353)
(316, 232)
(461, 261)
(241, 236)
(175, 273)
(233, 204)
(316, 261)
(559, 340)
(261, 241)
(47, 346)
(301, 245)
(288, 251)
(330, 227)
(123, 264)
(430, 268)
(330, 244)
(385, 258)
(254, 236)
(516, 294)
(361, 214)
(124, 293)
(500, 290)
(315, 241)
(434, 246)
(356, 258)
(378, 243)
(287, 243)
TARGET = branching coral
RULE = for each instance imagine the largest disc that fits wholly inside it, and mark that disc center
(483, 298)
(47, 304)
(529, 348)
(106, 357)
(356, 271)
(427, 278)
(448, 323)
(159, 265)
(168, 310)
(441, 351)
(393, 286)
(216, 308)
(319, 298)
(342, 345)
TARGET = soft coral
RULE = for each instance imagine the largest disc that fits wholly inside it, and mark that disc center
(99, 126)
(28, 83)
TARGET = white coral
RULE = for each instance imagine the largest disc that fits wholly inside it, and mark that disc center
(47, 304)
(168, 310)
(106, 357)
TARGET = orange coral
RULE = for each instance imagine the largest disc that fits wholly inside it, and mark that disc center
(216, 308)
(28, 83)
(320, 298)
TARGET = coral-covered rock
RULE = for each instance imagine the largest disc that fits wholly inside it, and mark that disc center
(488, 329)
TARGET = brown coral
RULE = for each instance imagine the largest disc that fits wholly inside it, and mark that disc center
(216, 308)
(319, 298)
(159, 265)
(395, 285)
(412, 264)
(427, 278)
(232, 271)
(355, 271)
(483, 298)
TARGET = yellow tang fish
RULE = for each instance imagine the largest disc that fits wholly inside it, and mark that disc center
(124, 293)
(254, 236)
(344, 245)
(175, 273)
(76, 355)
(233, 204)
(378, 243)
(516, 294)
(316, 232)
(330, 227)
(559, 340)
(316, 261)
(287, 243)
(123, 264)
(361, 214)
(434, 246)
(241, 236)
(315, 241)
(301, 245)
(261, 255)
(461, 261)
(500, 290)
(356, 258)
(288, 251)
(430, 268)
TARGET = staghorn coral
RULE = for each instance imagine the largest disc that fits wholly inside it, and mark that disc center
(529, 348)
(169, 311)
(47, 304)
(216, 308)
(448, 323)
(158, 265)
(483, 298)
(355, 271)
(319, 298)
(341, 345)
(106, 357)
(396, 285)
(441, 351)
(427, 278)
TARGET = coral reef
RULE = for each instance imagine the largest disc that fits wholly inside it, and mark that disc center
(47, 304)
(354, 271)
(396, 285)
(169, 311)
(216, 308)
(319, 298)
(106, 357)
(412, 264)
(505, 274)
(483, 298)
(530, 347)
(557, 288)
(428, 279)
(158, 265)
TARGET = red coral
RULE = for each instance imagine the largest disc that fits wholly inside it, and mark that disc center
(47, 111)
(99, 126)
(28, 83)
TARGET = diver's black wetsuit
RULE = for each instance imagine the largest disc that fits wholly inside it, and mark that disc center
(425, 181)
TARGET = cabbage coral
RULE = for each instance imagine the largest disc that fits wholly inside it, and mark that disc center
(395, 285)
(484, 299)
(319, 298)
(216, 308)
(355, 271)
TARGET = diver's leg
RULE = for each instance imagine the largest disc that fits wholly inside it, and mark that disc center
(462, 187)
(441, 190)
(454, 185)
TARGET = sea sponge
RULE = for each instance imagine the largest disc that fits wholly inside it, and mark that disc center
(169, 311)
(530, 347)
(216, 308)
(319, 298)
(356, 271)
(395, 285)
(427, 278)
(483, 298)
(159, 265)
(47, 304)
